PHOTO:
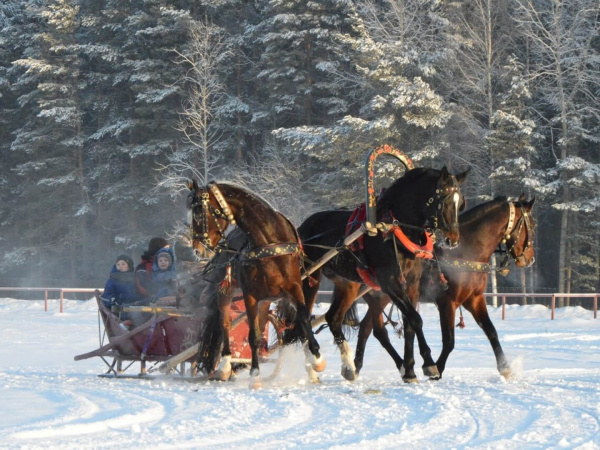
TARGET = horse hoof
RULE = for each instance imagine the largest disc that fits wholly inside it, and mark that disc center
(319, 364)
(221, 375)
(348, 374)
(255, 381)
(506, 373)
(410, 380)
(432, 372)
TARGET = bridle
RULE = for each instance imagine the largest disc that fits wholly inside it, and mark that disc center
(201, 198)
(513, 233)
(436, 204)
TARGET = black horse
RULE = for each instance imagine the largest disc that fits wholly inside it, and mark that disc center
(266, 269)
(408, 212)
(483, 229)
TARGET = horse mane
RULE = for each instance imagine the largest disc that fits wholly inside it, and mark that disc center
(482, 209)
(246, 191)
(391, 194)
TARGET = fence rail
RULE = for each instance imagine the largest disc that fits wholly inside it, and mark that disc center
(551, 296)
(502, 296)
(46, 290)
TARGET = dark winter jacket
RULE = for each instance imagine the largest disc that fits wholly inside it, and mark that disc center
(120, 288)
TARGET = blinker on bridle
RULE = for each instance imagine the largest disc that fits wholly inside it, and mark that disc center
(523, 222)
(210, 212)
(438, 202)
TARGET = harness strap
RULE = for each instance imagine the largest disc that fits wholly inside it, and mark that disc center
(511, 221)
(222, 202)
(272, 250)
(463, 265)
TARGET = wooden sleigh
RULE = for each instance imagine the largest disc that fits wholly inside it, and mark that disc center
(167, 338)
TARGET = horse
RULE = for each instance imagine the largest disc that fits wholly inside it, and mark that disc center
(483, 228)
(267, 269)
(422, 201)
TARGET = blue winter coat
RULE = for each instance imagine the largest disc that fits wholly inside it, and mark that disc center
(164, 281)
(120, 288)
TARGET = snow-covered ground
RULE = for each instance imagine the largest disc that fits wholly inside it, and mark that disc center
(48, 400)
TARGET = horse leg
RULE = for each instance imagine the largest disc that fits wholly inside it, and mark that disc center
(447, 310)
(381, 333)
(478, 308)
(223, 371)
(408, 372)
(364, 331)
(344, 294)
(415, 323)
(254, 338)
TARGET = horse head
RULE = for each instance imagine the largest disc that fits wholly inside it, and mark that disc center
(210, 215)
(445, 205)
(426, 199)
(519, 238)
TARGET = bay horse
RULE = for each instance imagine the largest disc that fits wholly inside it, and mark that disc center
(483, 228)
(267, 269)
(420, 202)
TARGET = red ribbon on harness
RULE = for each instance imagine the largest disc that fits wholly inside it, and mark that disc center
(424, 251)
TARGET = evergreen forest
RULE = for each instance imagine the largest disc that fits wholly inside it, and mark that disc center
(108, 107)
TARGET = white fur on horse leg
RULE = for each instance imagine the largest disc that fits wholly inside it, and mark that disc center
(255, 381)
(506, 372)
(347, 356)
(223, 372)
(313, 377)
(432, 372)
(318, 364)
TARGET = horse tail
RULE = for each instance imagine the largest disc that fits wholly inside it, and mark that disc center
(286, 316)
(351, 322)
(211, 333)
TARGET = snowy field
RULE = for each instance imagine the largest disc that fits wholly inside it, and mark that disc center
(48, 400)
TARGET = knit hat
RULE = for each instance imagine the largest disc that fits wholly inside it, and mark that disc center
(155, 244)
(164, 252)
(127, 259)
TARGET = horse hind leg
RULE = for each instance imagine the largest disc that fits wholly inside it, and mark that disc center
(341, 307)
(479, 311)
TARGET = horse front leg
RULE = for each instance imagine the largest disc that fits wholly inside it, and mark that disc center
(223, 371)
(415, 323)
(478, 308)
(408, 372)
(314, 359)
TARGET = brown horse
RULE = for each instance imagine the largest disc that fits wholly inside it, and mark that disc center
(466, 269)
(267, 269)
(420, 202)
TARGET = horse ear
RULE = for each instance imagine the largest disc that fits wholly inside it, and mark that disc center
(530, 204)
(192, 185)
(462, 176)
(522, 198)
(444, 173)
